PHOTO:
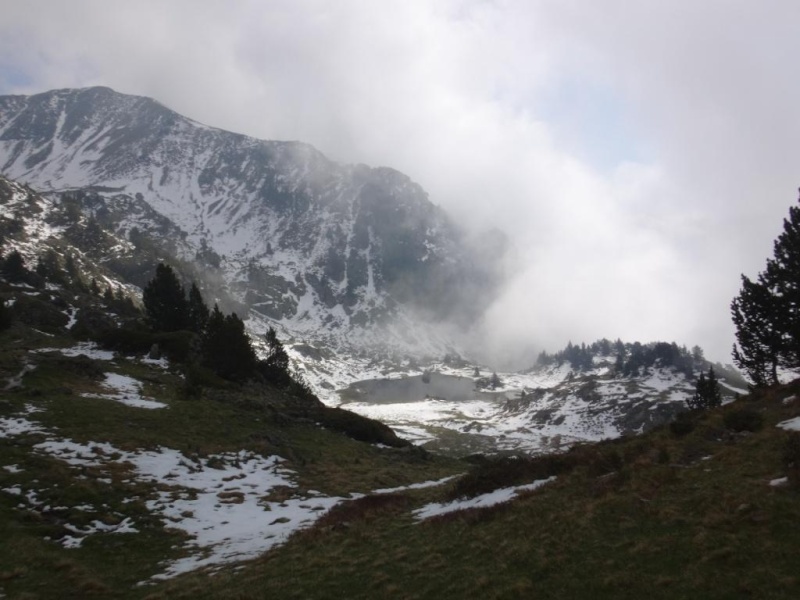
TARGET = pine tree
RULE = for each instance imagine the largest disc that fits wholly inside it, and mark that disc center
(766, 312)
(48, 267)
(165, 301)
(782, 277)
(494, 381)
(707, 394)
(275, 367)
(197, 311)
(13, 268)
(756, 316)
(226, 347)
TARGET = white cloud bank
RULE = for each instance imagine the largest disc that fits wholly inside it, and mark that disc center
(640, 155)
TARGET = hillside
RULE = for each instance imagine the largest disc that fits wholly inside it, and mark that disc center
(115, 484)
(117, 471)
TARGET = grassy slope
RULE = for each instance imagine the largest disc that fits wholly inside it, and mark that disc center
(665, 522)
(33, 566)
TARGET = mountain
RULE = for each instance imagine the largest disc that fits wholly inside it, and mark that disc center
(580, 394)
(346, 254)
(352, 264)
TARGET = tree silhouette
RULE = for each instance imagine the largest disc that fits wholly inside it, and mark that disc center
(766, 313)
(165, 301)
(275, 367)
(276, 353)
(782, 277)
(226, 348)
(707, 394)
(13, 268)
(197, 311)
(756, 316)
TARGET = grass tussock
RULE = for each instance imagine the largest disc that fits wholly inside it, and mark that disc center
(363, 510)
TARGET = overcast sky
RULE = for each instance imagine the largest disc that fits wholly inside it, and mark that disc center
(640, 154)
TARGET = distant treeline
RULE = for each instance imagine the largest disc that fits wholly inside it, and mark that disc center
(629, 358)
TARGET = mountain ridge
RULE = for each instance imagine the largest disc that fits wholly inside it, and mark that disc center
(294, 230)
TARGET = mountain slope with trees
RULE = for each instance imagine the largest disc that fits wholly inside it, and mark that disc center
(330, 252)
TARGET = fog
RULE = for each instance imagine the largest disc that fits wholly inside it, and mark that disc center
(640, 156)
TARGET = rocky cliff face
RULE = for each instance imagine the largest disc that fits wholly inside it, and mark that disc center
(326, 250)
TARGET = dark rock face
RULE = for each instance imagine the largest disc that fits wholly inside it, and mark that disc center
(301, 239)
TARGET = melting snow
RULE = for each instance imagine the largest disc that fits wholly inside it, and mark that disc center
(89, 349)
(68, 541)
(415, 486)
(791, 424)
(16, 380)
(482, 501)
(14, 426)
(127, 390)
(220, 501)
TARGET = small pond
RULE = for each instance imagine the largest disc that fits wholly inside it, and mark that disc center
(414, 389)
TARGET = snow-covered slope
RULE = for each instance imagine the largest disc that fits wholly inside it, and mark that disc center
(331, 252)
(544, 409)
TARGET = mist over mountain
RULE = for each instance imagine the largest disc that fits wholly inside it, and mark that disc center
(348, 254)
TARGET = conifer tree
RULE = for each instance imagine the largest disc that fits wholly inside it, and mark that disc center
(707, 394)
(165, 301)
(276, 354)
(782, 277)
(766, 312)
(494, 381)
(13, 268)
(756, 316)
(48, 267)
(226, 347)
(197, 311)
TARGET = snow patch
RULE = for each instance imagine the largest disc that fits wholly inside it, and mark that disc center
(88, 349)
(15, 426)
(126, 390)
(791, 424)
(221, 501)
(484, 500)
(415, 486)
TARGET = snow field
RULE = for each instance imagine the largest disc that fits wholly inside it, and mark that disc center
(219, 501)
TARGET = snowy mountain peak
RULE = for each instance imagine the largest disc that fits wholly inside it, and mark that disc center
(329, 251)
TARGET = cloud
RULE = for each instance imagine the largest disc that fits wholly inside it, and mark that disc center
(640, 155)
